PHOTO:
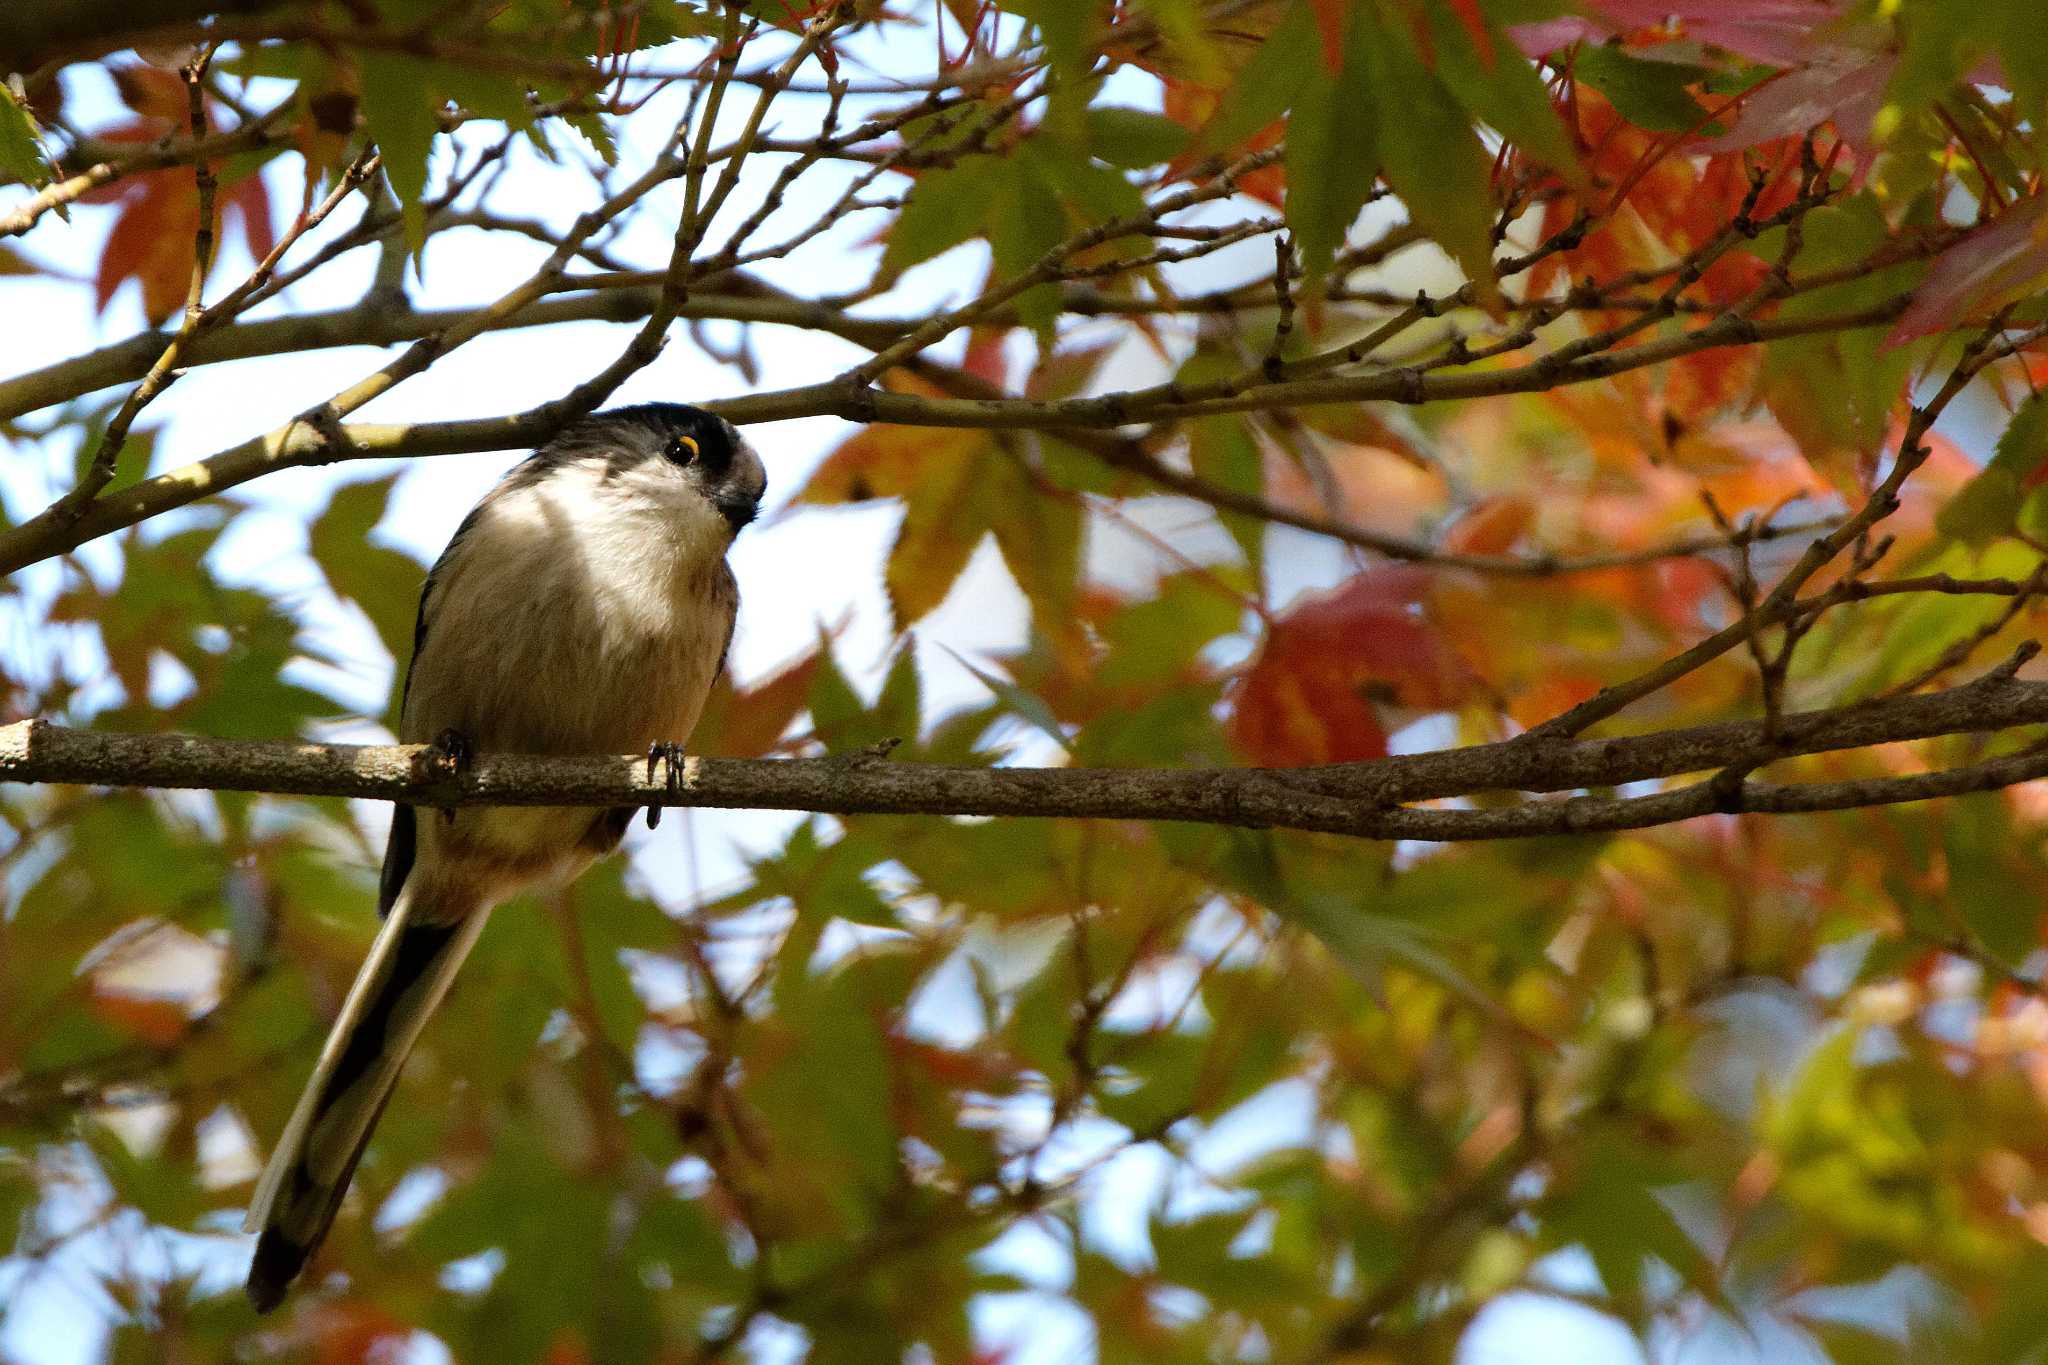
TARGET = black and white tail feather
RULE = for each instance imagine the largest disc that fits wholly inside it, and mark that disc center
(410, 967)
(584, 607)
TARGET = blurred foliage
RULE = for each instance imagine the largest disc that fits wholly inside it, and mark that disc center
(1742, 1071)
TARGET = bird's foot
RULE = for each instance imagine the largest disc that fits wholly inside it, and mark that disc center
(669, 753)
(452, 752)
(450, 755)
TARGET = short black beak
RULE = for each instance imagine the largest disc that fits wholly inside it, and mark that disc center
(737, 511)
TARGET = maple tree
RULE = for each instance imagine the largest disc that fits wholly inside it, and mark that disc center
(1616, 884)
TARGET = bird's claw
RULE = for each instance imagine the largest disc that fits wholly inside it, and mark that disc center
(668, 752)
(451, 753)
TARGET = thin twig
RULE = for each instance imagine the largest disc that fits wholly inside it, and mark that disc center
(99, 472)
(1782, 601)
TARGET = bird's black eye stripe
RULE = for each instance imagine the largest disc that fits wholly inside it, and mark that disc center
(681, 449)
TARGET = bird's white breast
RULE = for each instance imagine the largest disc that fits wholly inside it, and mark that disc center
(583, 612)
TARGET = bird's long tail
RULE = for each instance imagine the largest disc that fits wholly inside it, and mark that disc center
(410, 964)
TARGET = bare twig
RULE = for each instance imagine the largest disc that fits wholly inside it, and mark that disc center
(187, 151)
(1782, 599)
(99, 472)
(294, 445)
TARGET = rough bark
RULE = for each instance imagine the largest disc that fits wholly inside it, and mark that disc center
(1363, 799)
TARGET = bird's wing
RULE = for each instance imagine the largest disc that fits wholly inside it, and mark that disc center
(402, 845)
(728, 594)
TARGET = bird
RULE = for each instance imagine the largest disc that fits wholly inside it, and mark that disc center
(584, 606)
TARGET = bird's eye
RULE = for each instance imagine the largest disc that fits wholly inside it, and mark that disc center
(682, 449)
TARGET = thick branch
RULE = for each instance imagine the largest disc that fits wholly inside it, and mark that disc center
(1358, 799)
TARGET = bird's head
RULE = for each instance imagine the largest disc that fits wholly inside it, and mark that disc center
(658, 445)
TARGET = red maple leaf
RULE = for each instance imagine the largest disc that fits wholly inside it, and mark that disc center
(153, 234)
(1330, 663)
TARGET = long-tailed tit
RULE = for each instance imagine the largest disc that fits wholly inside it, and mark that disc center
(583, 607)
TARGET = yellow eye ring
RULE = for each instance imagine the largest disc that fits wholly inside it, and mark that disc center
(684, 449)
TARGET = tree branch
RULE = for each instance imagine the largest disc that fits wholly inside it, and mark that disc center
(1133, 456)
(298, 443)
(627, 297)
(1359, 799)
(617, 299)
(1782, 600)
(29, 29)
(161, 155)
(100, 472)
(1404, 385)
